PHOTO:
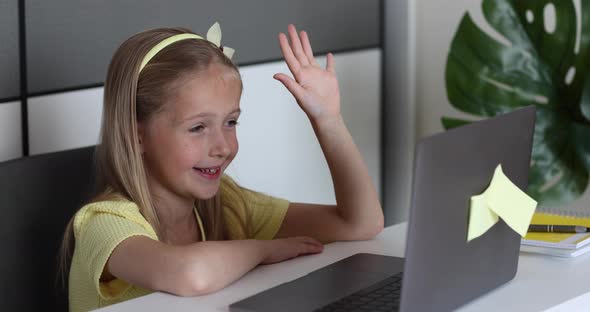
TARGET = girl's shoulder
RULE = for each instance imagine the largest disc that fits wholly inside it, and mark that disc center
(227, 181)
(232, 188)
(119, 208)
(232, 193)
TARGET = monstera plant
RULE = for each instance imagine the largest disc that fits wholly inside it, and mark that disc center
(546, 64)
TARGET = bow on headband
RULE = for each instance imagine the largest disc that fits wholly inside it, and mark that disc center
(213, 36)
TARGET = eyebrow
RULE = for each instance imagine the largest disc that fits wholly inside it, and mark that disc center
(239, 111)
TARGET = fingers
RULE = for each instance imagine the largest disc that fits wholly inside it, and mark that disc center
(330, 63)
(296, 46)
(309, 240)
(307, 48)
(290, 59)
(311, 249)
(309, 245)
(296, 50)
(292, 85)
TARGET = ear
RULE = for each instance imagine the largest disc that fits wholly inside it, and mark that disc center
(140, 136)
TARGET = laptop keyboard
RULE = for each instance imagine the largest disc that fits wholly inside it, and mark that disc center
(382, 296)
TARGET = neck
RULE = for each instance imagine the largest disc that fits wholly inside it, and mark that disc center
(178, 224)
(173, 213)
(177, 220)
(173, 210)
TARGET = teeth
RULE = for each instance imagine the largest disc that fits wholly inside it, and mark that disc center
(210, 171)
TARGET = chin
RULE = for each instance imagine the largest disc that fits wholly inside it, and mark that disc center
(206, 194)
(205, 197)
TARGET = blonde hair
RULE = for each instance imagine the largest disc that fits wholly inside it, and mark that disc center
(131, 98)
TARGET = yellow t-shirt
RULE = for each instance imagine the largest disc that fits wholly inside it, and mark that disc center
(99, 227)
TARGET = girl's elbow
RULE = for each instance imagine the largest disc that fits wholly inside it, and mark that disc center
(196, 283)
(377, 229)
(380, 224)
(190, 282)
(371, 230)
(191, 288)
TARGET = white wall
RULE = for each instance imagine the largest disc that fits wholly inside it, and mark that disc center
(279, 153)
(436, 23)
(10, 131)
(64, 121)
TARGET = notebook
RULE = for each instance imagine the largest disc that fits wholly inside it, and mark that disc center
(557, 244)
(556, 252)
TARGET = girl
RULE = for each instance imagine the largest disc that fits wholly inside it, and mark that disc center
(166, 218)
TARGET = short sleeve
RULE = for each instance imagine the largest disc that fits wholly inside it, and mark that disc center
(263, 213)
(98, 229)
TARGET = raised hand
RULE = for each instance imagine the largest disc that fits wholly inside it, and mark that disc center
(314, 88)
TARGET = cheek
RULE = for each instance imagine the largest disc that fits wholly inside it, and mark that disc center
(180, 152)
(234, 145)
(190, 151)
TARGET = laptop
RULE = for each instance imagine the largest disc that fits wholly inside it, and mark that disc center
(441, 270)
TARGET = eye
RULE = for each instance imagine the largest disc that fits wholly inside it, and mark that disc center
(197, 129)
(233, 123)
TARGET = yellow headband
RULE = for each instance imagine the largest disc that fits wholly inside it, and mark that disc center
(213, 36)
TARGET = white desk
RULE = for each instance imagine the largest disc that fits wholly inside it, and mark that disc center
(541, 283)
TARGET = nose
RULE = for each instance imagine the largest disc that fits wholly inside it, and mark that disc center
(220, 146)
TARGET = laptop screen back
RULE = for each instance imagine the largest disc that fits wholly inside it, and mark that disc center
(442, 270)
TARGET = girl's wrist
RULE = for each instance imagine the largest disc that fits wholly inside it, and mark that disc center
(327, 122)
(263, 250)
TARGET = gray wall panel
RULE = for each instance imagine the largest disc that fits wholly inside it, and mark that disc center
(10, 131)
(69, 43)
(9, 47)
(398, 109)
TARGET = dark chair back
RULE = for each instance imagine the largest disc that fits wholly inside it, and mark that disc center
(38, 196)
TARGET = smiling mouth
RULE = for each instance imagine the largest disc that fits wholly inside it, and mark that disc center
(211, 171)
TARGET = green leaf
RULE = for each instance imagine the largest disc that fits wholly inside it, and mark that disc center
(585, 105)
(450, 123)
(550, 70)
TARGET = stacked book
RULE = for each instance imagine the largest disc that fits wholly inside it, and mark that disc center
(558, 244)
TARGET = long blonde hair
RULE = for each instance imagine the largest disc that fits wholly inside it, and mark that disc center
(131, 98)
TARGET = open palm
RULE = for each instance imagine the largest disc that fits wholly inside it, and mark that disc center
(314, 88)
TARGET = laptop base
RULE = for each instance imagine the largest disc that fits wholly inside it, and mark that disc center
(324, 286)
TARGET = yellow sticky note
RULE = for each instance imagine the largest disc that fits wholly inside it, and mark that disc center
(481, 218)
(502, 199)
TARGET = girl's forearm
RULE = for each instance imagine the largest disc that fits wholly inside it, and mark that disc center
(212, 265)
(356, 196)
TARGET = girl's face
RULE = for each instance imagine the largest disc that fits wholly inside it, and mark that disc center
(187, 146)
